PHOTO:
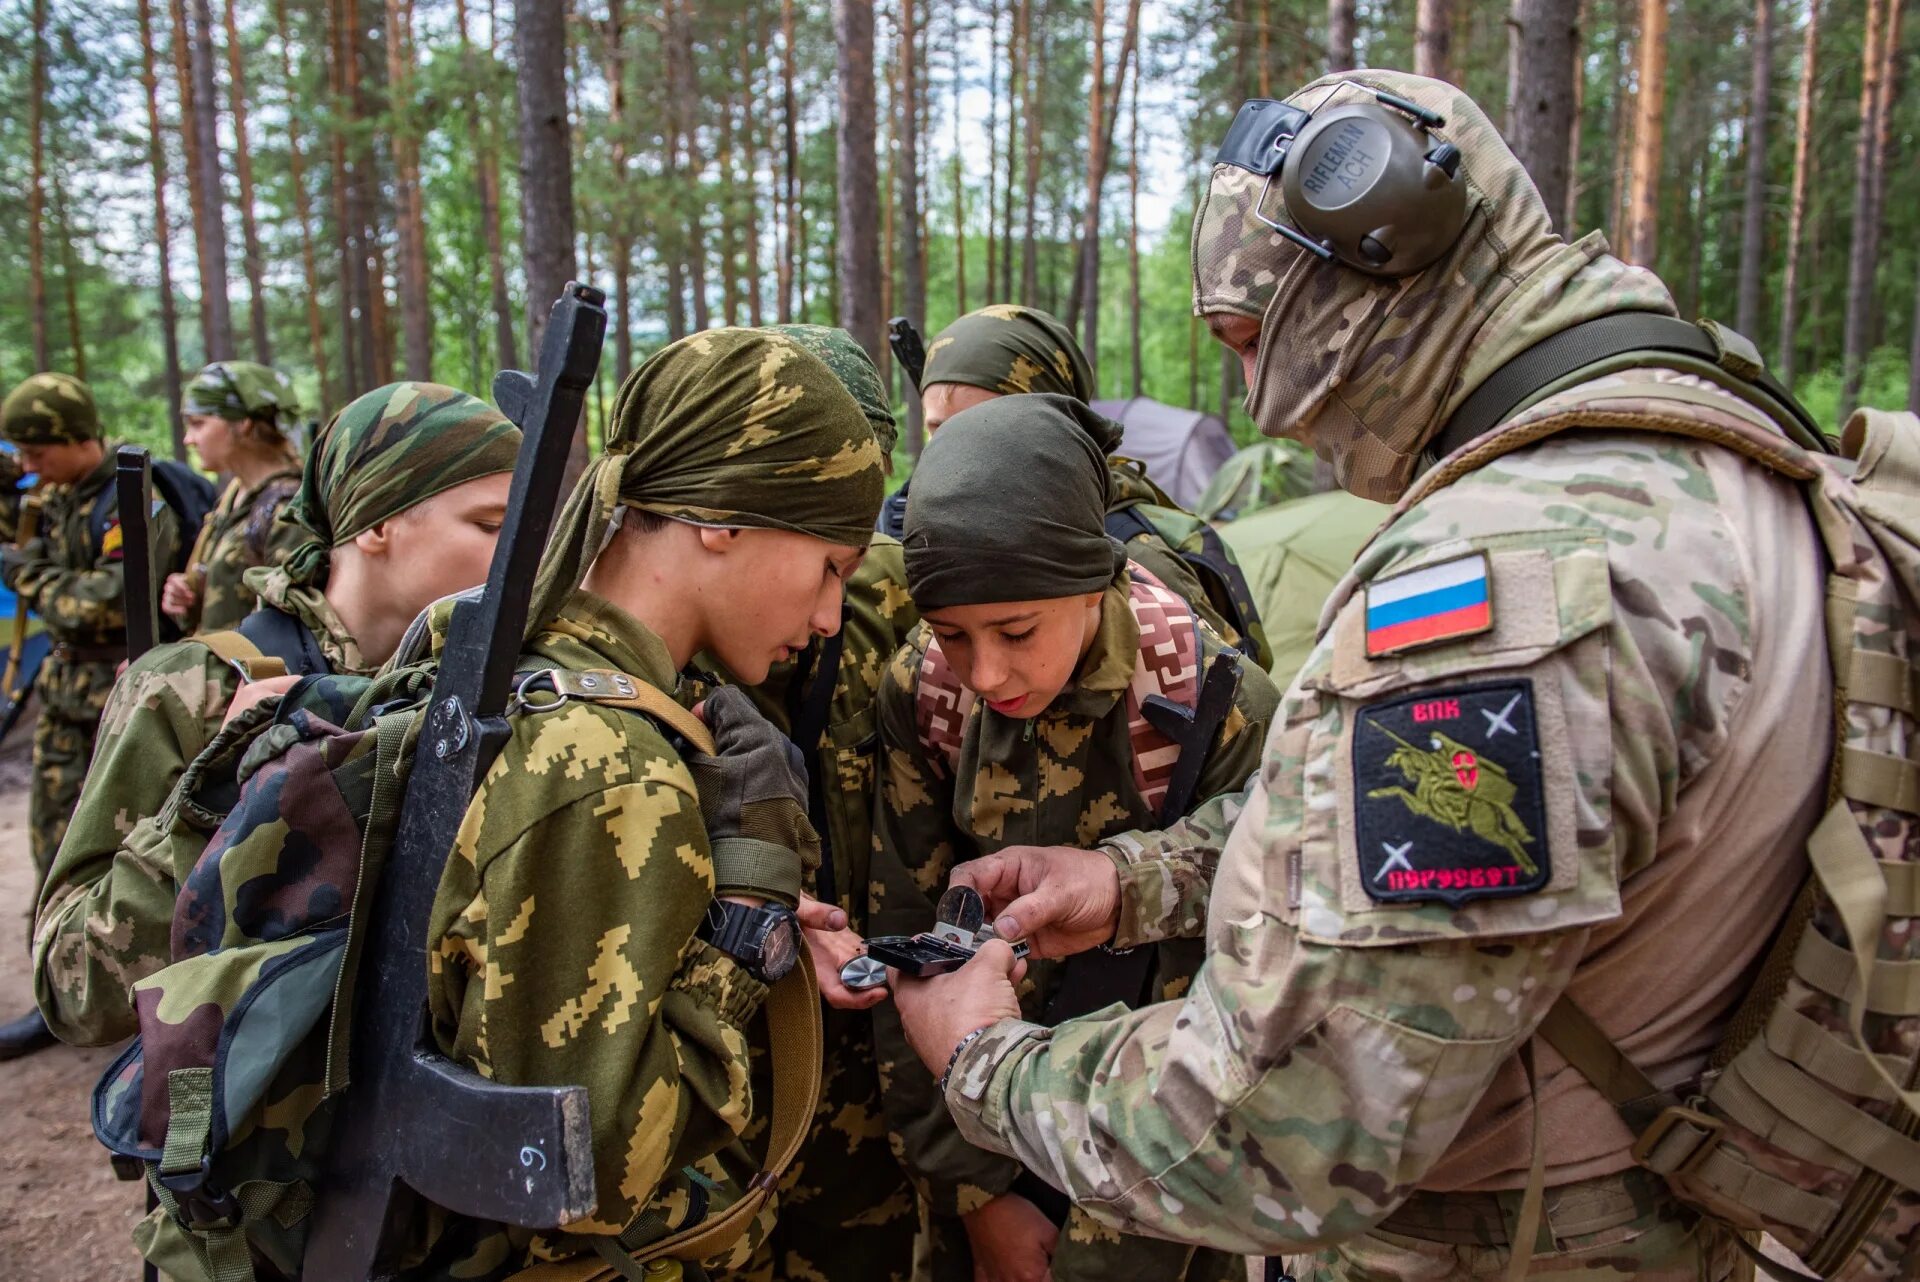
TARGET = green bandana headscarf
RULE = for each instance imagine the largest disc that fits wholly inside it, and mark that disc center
(391, 449)
(855, 370)
(241, 390)
(1009, 503)
(727, 428)
(1010, 349)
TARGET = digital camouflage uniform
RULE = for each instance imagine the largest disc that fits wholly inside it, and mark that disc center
(1446, 835)
(106, 912)
(70, 577)
(846, 1207)
(241, 532)
(1064, 776)
(566, 917)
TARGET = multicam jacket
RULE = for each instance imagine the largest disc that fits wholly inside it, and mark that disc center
(1065, 776)
(239, 534)
(105, 916)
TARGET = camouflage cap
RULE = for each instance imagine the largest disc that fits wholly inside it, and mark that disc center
(730, 428)
(855, 369)
(1009, 349)
(241, 390)
(50, 409)
(1367, 370)
(385, 452)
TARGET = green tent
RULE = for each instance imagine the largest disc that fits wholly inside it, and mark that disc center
(1293, 554)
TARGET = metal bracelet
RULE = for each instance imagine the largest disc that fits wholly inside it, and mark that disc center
(955, 1057)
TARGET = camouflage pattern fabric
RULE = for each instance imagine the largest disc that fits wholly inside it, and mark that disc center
(1009, 349)
(585, 968)
(849, 361)
(49, 409)
(1345, 362)
(847, 1209)
(72, 580)
(1065, 776)
(241, 390)
(106, 912)
(241, 533)
(1132, 486)
(386, 451)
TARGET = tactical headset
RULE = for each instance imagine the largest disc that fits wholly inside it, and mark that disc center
(1365, 184)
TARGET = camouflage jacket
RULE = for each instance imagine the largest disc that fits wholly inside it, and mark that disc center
(567, 952)
(239, 534)
(75, 585)
(1063, 777)
(105, 916)
(1441, 832)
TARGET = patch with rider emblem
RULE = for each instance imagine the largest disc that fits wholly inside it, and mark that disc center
(1447, 795)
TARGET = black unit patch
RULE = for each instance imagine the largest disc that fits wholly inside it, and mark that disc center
(1448, 803)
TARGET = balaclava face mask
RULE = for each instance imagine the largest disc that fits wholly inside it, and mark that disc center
(1368, 369)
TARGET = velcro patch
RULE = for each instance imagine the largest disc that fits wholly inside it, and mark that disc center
(1447, 795)
(1429, 606)
(111, 542)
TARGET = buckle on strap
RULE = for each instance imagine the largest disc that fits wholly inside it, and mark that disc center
(199, 1204)
(1678, 1141)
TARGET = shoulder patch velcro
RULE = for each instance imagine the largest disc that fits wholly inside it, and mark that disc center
(1429, 606)
(1447, 795)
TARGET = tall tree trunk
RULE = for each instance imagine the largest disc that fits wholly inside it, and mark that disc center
(1643, 188)
(1753, 222)
(487, 183)
(889, 207)
(69, 272)
(1266, 48)
(1570, 222)
(1017, 93)
(729, 218)
(253, 260)
(1623, 97)
(856, 228)
(416, 312)
(1133, 235)
(670, 238)
(1545, 40)
(749, 59)
(366, 288)
(1036, 113)
(1089, 281)
(211, 234)
(162, 230)
(790, 260)
(1861, 260)
(1100, 158)
(1433, 39)
(368, 70)
(1797, 203)
(1341, 34)
(993, 141)
(36, 193)
(302, 205)
(346, 242)
(680, 29)
(959, 180)
(913, 292)
(615, 66)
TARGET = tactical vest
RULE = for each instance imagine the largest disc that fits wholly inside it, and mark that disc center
(1804, 1124)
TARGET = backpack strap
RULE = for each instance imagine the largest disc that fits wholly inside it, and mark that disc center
(1167, 667)
(613, 689)
(237, 651)
(941, 705)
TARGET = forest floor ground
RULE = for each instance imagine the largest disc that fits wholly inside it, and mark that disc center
(63, 1215)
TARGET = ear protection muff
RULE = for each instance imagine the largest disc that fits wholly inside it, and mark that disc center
(1364, 184)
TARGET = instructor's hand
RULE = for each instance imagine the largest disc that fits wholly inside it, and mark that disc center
(1060, 899)
(1012, 1240)
(938, 1012)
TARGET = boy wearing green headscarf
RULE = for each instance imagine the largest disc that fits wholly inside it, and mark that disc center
(238, 416)
(399, 504)
(1012, 717)
(575, 942)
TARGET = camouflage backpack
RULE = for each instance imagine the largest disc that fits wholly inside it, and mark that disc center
(1194, 540)
(226, 1099)
(1805, 1123)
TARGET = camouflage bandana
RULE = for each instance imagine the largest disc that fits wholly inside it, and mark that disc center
(1009, 503)
(857, 373)
(1009, 349)
(1368, 370)
(50, 409)
(239, 391)
(728, 428)
(385, 452)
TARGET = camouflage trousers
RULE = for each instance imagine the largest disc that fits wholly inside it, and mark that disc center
(72, 693)
(1618, 1226)
(847, 1212)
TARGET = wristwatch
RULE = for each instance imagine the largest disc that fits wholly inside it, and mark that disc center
(765, 941)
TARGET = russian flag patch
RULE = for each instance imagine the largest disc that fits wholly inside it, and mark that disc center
(1427, 606)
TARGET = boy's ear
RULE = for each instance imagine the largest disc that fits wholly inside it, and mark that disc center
(374, 540)
(717, 540)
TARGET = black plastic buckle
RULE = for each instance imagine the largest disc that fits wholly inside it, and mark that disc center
(201, 1205)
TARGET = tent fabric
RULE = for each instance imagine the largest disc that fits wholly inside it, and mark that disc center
(1182, 449)
(1292, 555)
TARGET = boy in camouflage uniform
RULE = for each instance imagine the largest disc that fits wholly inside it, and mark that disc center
(237, 415)
(1455, 825)
(414, 473)
(1036, 610)
(734, 499)
(70, 577)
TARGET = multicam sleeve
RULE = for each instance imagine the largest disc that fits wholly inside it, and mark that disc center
(912, 858)
(569, 957)
(106, 913)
